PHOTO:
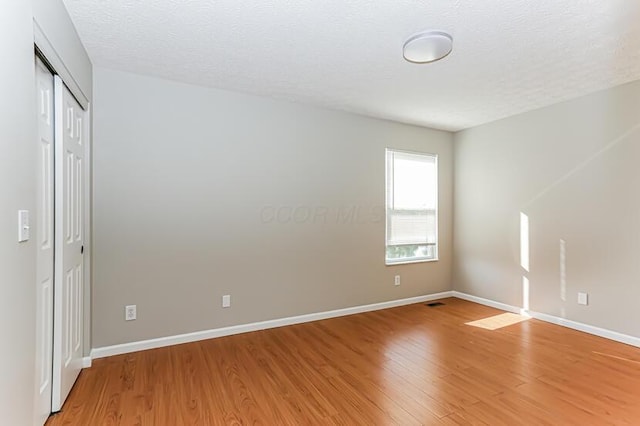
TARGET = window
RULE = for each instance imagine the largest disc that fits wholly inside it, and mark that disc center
(412, 207)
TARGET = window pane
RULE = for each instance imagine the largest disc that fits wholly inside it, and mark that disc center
(412, 184)
(410, 252)
(412, 194)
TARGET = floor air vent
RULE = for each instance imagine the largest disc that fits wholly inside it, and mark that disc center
(434, 304)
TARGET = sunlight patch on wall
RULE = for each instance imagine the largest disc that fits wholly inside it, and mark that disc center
(524, 260)
(524, 241)
(563, 270)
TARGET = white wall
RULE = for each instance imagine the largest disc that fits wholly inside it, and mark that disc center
(17, 191)
(183, 175)
(573, 169)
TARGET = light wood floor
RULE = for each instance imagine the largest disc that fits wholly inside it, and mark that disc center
(408, 365)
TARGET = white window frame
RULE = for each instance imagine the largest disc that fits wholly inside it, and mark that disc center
(388, 182)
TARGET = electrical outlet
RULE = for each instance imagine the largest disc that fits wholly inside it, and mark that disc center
(396, 281)
(583, 299)
(130, 313)
(226, 301)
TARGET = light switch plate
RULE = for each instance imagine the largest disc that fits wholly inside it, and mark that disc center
(583, 299)
(23, 226)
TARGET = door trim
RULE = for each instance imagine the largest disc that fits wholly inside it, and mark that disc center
(44, 236)
(48, 54)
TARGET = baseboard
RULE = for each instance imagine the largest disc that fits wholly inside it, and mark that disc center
(602, 332)
(586, 328)
(299, 319)
(262, 325)
(487, 302)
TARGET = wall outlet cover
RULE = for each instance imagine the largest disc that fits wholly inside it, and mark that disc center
(130, 313)
(226, 301)
(583, 299)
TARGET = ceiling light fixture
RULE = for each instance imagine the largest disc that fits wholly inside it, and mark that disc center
(427, 46)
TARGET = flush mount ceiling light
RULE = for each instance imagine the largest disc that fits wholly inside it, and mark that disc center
(427, 46)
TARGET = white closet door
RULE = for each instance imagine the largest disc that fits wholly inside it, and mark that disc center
(70, 130)
(45, 245)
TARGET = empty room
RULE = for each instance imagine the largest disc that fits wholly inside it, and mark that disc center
(319, 212)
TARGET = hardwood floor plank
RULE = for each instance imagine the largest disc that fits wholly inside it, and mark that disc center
(402, 366)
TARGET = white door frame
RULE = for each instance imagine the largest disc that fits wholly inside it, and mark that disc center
(45, 241)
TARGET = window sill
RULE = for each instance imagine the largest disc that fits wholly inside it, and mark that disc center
(404, 262)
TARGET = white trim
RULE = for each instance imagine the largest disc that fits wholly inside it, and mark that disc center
(386, 217)
(58, 394)
(86, 362)
(487, 302)
(87, 235)
(602, 332)
(586, 328)
(281, 322)
(414, 260)
(262, 325)
(51, 56)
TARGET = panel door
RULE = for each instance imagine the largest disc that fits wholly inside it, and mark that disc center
(44, 242)
(70, 128)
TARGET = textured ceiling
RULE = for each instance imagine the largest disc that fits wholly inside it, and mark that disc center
(509, 56)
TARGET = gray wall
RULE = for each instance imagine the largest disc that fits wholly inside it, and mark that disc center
(573, 169)
(185, 182)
